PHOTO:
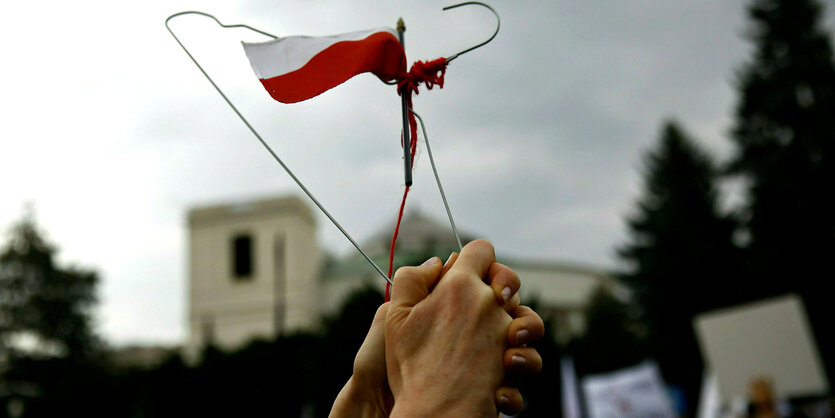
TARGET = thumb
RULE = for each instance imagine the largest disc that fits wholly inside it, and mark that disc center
(413, 284)
(369, 364)
(377, 331)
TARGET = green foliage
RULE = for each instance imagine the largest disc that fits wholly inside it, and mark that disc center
(43, 302)
(343, 334)
(785, 148)
(613, 338)
(290, 376)
(681, 252)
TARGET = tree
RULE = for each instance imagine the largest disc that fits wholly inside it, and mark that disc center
(681, 254)
(43, 307)
(612, 339)
(785, 149)
(342, 335)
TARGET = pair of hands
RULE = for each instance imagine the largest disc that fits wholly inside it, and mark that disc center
(446, 343)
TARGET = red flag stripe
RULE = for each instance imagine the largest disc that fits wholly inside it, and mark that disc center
(380, 53)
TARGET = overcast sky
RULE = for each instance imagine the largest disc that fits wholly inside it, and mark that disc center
(110, 130)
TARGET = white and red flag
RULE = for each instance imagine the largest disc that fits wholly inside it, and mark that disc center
(296, 68)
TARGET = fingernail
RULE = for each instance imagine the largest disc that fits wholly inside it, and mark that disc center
(431, 261)
(506, 294)
(522, 336)
(518, 362)
(503, 400)
(448, 258)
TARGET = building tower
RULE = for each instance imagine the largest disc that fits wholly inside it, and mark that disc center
(253, 270)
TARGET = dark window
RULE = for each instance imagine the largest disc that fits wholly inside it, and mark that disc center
(242, 256)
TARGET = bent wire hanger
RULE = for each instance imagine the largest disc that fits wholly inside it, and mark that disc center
(281, 162)
(257, 135)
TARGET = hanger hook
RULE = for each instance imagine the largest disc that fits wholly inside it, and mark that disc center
(498, 26)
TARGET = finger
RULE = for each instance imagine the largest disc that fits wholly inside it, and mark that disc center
(526, 326)
(504, 281)
(514, 303)
(524, 360)
(413, 284)
(475, 258)
(508, 400)
(449, 262)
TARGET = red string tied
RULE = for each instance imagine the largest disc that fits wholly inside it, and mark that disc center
(430, 73)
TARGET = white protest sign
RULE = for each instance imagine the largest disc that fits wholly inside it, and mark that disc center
(635, 392)
(769, 338)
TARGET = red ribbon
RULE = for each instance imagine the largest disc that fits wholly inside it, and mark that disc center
(430, 73)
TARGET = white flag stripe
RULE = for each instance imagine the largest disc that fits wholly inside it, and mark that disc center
(284, 55)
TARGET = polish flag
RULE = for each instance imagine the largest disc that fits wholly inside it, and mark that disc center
(297, 68)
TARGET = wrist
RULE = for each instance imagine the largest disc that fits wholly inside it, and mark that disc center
(426, 405)
(357, 401)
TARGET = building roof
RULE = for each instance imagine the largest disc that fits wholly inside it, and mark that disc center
(417, 232)
(222, 213)
(420, 237)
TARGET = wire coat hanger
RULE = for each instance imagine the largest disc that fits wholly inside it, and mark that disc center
(258, 136)
(281, 162)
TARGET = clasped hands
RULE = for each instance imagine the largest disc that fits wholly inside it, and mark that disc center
(446, 344)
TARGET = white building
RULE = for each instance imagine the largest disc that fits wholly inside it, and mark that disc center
(256, 270)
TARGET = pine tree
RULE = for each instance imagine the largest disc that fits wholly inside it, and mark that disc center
(42, 302)
(681, 251)
(785, 139)
(612, 339)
